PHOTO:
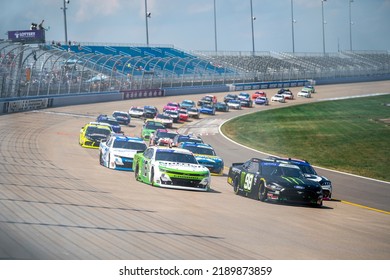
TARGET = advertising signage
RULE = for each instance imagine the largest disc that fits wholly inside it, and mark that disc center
(27, 36)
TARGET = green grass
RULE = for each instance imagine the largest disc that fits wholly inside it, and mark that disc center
(351, 135)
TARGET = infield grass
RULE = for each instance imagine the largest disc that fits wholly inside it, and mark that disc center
(351, 135)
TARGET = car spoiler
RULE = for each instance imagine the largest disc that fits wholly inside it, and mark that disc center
(237, 163)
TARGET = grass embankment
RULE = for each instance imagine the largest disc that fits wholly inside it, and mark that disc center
(351, 135)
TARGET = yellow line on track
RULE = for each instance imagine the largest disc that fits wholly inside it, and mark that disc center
(365, 207)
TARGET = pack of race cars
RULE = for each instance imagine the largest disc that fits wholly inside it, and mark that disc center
(163, 157)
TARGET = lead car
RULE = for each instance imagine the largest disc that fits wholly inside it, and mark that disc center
(264, 179)
(171, 168)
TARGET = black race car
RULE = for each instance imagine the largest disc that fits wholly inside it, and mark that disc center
(310, 174)
(270, 180)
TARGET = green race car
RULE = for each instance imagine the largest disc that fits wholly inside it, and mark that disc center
(149, 127)
(171, 168)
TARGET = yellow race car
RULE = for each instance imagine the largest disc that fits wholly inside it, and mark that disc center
(93, 133)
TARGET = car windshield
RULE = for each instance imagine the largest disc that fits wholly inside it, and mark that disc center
(120, 115)
(93, 130)
(154, 125)
(307, 169)
(164, 117)
(200, 150)
(283, 171)
(137, 110)
(169, 155)
(131, 145)
(192, 110)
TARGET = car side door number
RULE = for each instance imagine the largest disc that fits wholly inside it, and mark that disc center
(248, 182)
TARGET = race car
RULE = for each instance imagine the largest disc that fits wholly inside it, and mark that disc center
(304, 93)
(183, 114)
(171, 168)
(259, 94)
(92, 134)
(278, 98)
(185, 104)
(262, 100)
(174, 114)
(149, 127)
(185, 138)
(286, 93)
(136, 112)
(222, 107)
(171, 106)
(234, 104)
(165, 119)
(117, 152)
(116, 127)
(207, 99)
(310, 174)
(193, 112)
(205, 155)
(122, 117)
(245, 99)
(162, 137)
(269, 180)
(150, 112)
(309, 88)
(208, 109)
(229, 97)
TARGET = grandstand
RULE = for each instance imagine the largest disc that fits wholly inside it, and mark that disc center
(47, 69)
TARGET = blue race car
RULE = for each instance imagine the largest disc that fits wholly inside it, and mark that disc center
(116, 127)
(208, 109)
(205, 155)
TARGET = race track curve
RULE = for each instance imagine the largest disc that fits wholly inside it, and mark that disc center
(58, 203)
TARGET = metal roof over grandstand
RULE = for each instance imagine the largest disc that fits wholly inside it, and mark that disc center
(52, 68)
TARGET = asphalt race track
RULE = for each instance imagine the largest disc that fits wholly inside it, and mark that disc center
(57, 202)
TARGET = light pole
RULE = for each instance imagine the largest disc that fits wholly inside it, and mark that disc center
(215, 27)
(292, 25)
(147, 16)
(253, 32)
(323, 26)
(350, 25)
(66, 2)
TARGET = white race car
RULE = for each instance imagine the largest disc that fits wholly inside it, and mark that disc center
(234, 104)
(278, 98)
(304, 93)
(171, 168)
(136, 112)
(117, 152)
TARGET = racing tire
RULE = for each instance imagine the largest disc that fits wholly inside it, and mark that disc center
(152, 177)
(100, 158)
(136, 173)
(262, 195)
(236, 188)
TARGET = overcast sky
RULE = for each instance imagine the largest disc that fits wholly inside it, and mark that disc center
(189, 24)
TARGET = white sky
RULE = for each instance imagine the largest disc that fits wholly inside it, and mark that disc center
(189, 24)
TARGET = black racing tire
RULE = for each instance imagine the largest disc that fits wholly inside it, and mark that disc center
(100, 158)
(152, 177)
(262, 195)
(236, 188)
(136, 172)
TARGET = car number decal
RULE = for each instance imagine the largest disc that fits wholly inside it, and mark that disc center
(248, 182)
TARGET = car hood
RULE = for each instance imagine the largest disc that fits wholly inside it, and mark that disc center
(294, 183)
(204, 159)
(170, 166)
(124, 152)
(316, 178)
